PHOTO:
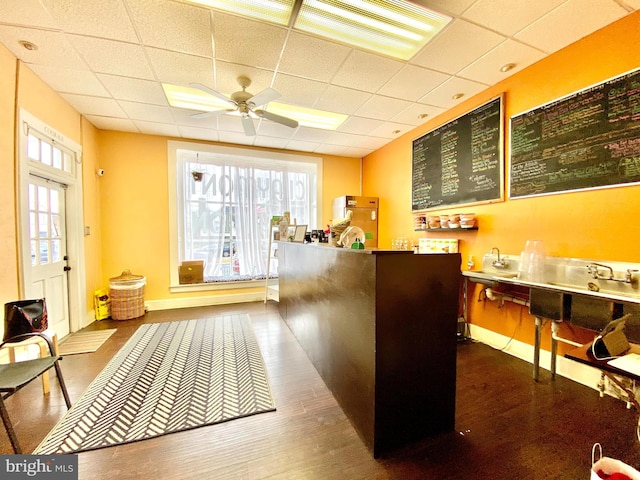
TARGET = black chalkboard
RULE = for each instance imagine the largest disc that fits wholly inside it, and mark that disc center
(590, 139)
(461, 162)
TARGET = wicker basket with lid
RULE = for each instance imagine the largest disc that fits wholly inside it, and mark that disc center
(127, 296)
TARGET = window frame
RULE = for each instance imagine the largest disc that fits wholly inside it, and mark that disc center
(175, 209)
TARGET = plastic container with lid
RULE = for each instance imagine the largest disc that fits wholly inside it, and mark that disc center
(127, 296)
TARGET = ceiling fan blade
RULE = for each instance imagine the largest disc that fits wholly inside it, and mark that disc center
(247, 124)
(211, 91)
(289, 122)
(211, 113)
(265, 96)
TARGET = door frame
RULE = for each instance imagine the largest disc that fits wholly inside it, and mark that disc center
(74, 213)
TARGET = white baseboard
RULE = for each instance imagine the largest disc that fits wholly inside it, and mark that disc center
(573, 370)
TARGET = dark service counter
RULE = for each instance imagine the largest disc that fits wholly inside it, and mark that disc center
(380, 328)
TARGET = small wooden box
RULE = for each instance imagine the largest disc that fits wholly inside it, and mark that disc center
(191, 271)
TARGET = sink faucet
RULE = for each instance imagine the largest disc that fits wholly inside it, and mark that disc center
(498, 263)
(592, 268)
(628, 277)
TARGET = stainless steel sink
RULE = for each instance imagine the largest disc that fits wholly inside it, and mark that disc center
(496, 273)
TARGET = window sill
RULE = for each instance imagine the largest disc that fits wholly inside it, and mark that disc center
(209, 286)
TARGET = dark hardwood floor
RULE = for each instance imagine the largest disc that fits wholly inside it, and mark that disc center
(507, 426)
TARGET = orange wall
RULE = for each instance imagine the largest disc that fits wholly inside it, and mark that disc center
(600, 224)
(134, 207)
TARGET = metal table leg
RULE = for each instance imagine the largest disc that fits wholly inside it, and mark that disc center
(536, 349)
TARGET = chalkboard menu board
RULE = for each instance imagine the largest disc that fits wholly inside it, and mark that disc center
(589, 139)
(460, 162)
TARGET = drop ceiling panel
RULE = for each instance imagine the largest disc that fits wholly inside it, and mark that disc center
(298, 91)
(173, 26)
(105, 107)
(487, 68)
(272, 129)
(110, 56)
(124, 88)
(311, 134)
(96, 18)
(388, 129)
(341, 100)
(180, 69)
(183, 117)
(442, 96)
(53, 47)
(366, 71)
(154, 128)
(327, 57)
(144, 111)
(550, 33)
(490, 13)
(302, 146)
(270, 142)
(412, 82)
(26, 12)
(110, 123)
(355, 152)
(227, 74)
(235, 137)
(458, 45)
(359, 125)
(238, 40)
(65, 80)
(201, 133)
(382, 107)
(328, 149)
(410, 115)
(450, 7)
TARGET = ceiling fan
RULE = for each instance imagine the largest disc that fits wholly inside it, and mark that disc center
(246, 103)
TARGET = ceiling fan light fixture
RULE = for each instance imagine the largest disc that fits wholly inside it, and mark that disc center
(309, 117)
(192, 98)
(276, 11)
(396, 28)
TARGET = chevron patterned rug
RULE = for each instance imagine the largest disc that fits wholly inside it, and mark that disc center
(167, 378)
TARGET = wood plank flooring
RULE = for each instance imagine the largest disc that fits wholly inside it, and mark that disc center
(507, 426)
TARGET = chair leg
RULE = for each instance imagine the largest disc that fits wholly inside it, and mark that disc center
(44, 352)
(9, 427)
(63, 386)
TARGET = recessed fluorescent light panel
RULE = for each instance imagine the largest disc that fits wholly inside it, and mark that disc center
(192, 98)
(391, 27)
(276, 11)
(308, 117)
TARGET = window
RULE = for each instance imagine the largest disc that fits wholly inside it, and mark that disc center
(225, 199)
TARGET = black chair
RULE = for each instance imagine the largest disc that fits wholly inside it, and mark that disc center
(14, 376)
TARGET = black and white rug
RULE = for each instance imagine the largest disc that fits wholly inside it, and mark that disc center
(167, 378)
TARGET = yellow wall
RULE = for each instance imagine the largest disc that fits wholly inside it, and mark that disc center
(8, 239)
(601, 224)
(135, 202)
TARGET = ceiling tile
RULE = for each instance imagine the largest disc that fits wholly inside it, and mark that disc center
(359, 125)
(345, 139)
(355, 152)
(327, 149)
(175, 26)
(550, 33)
(366, 71)
(183, 117)
(449, 7)
(311, 134)
(97, 18)
(198, 133)
(233, 123)
(123, 88)
(387, 130)
(327, 57)
(106, 107)
(144, 111)
(341, 100)
(442, 96)
(487, 68)
(382, 107)
(53, 48)
(490, 13)
(110, 123)
(302, 146)
(226, 78)
(154, 128)
(110, 56)
(410, 115)
(273, 129)
(26, 12)
(235, 137)
(412, 82)
(298, 91)
(458, 45)
(179, 68)
(270, 142)
(81, 82)
(239, 40)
